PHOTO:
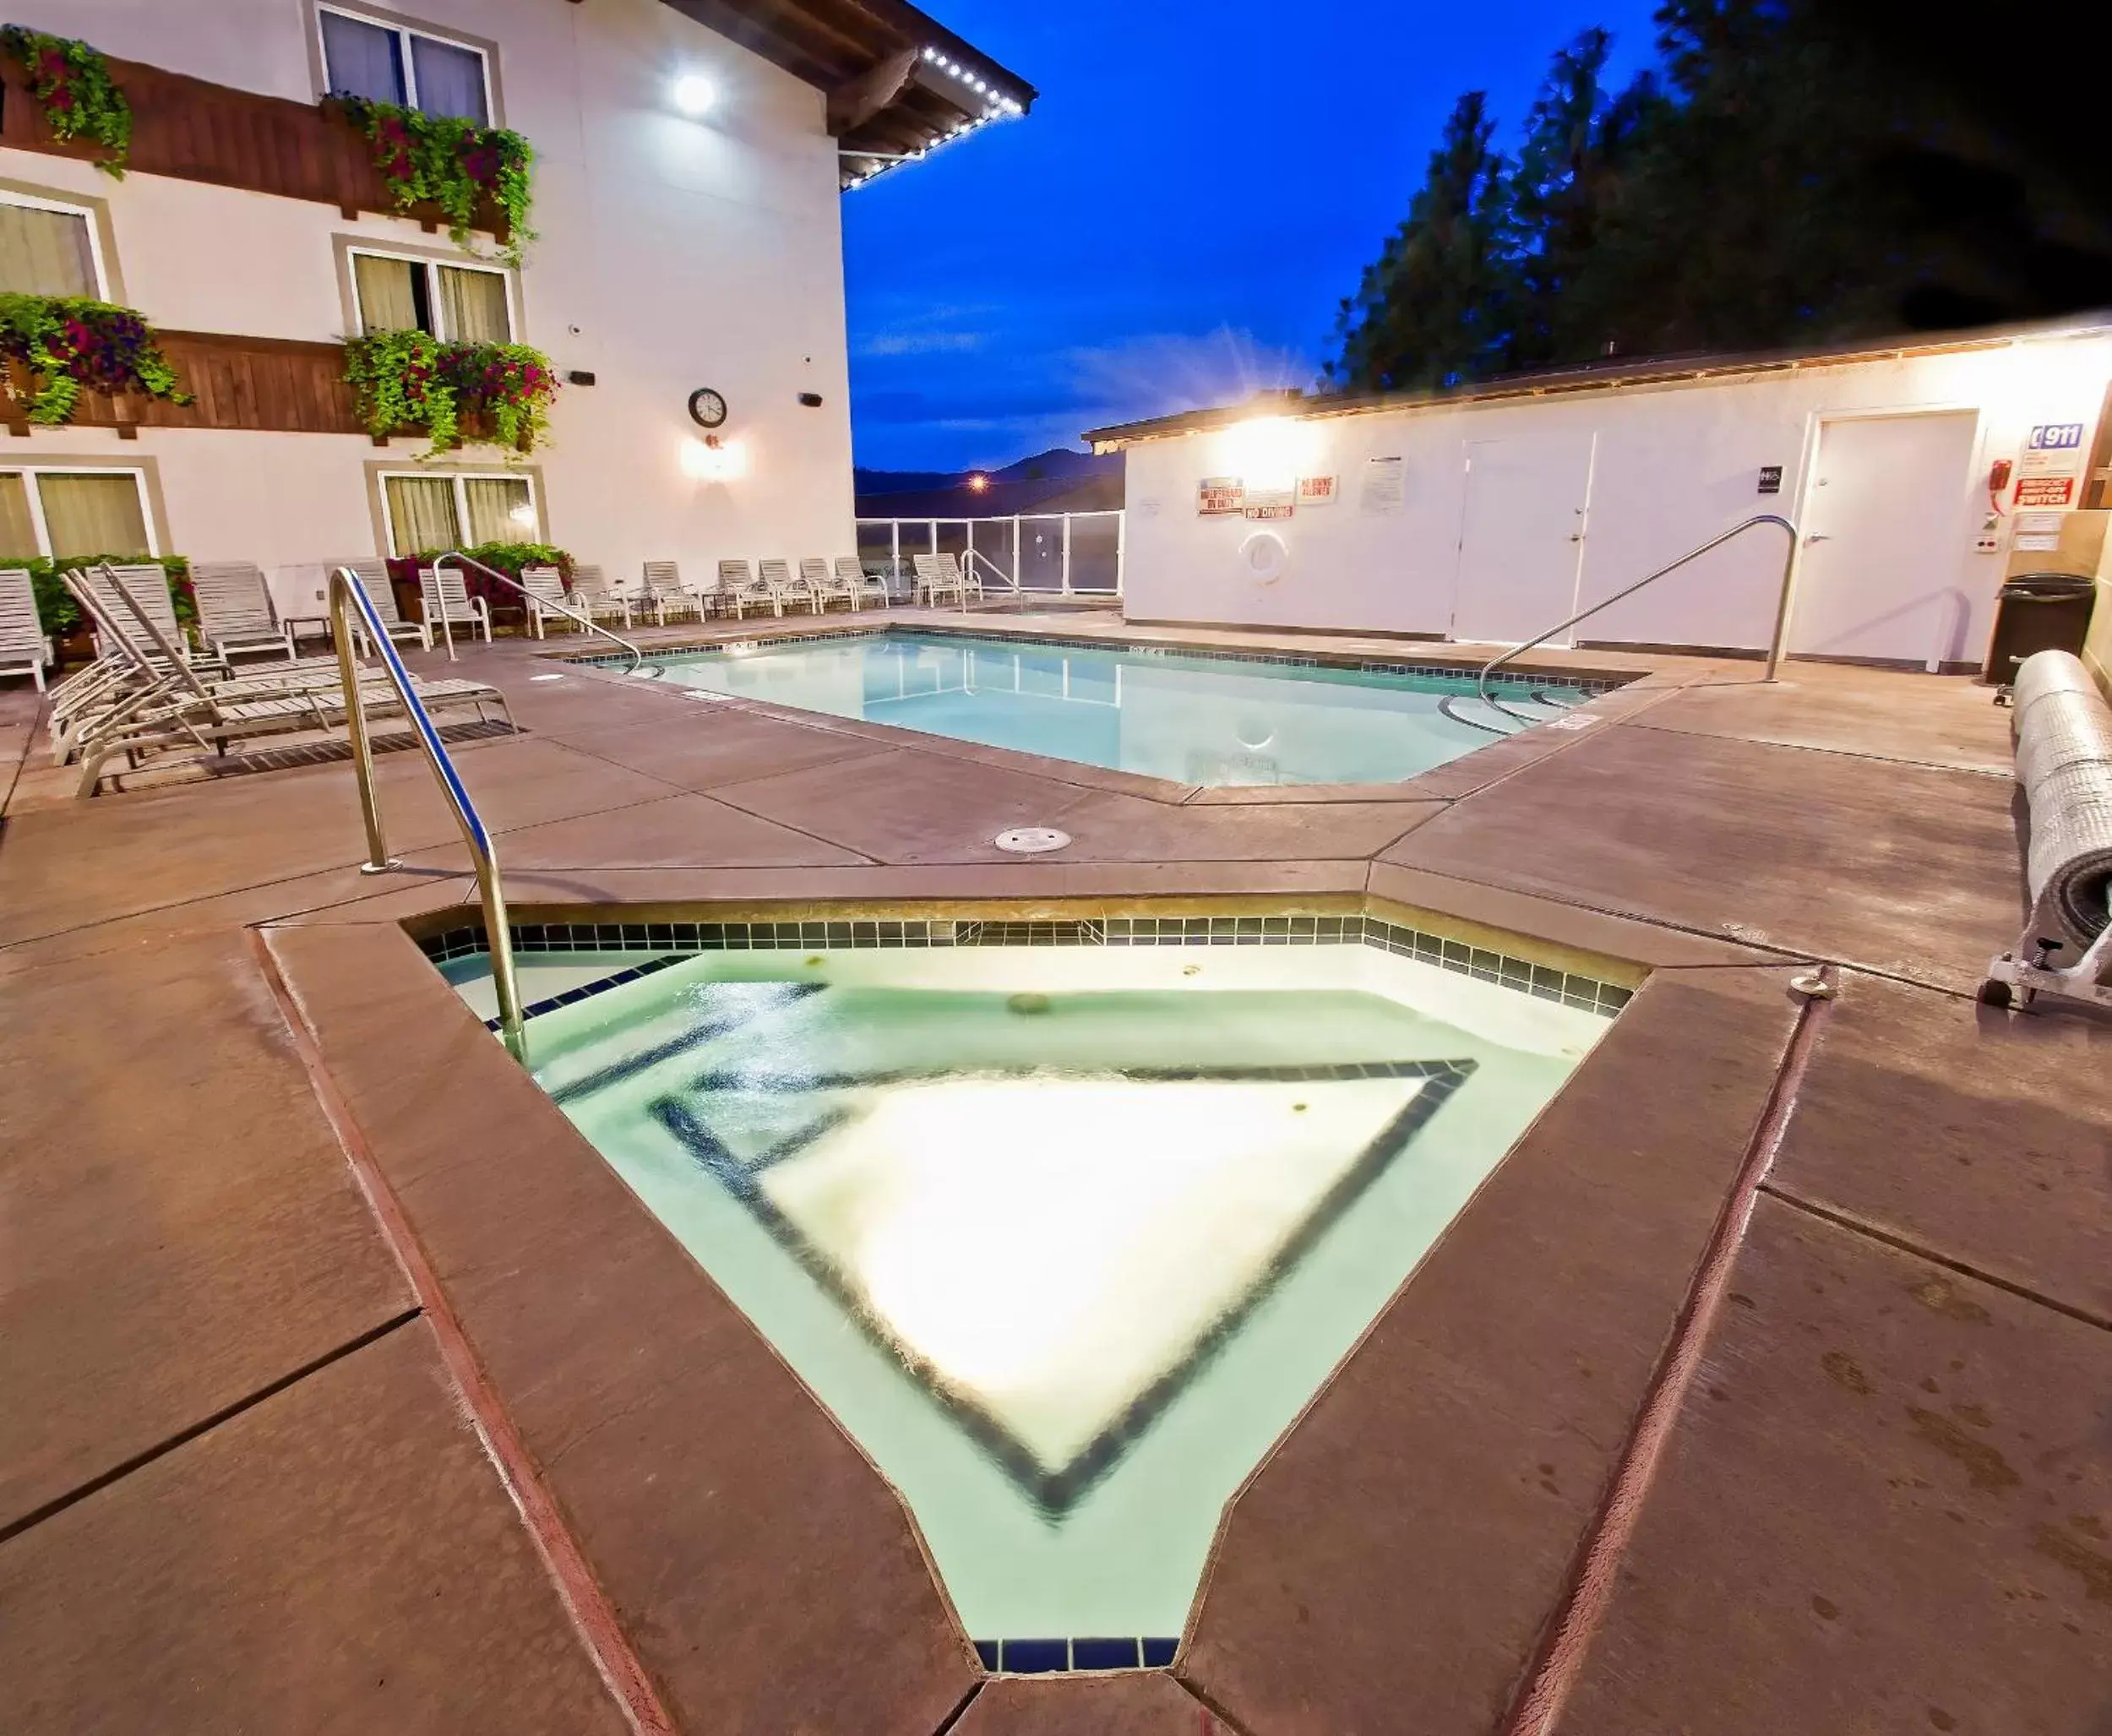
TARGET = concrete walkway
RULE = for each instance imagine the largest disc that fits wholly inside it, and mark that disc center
(1767, 1387)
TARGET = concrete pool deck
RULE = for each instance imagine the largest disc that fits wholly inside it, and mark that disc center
(1767, 1384)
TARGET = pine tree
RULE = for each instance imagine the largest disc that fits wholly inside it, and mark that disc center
(1433, 309)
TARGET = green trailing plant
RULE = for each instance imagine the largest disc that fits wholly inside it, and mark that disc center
(59, 613)
(452, 163)
(69, 344)
(72, 82)
(509, 557)
(452, 392)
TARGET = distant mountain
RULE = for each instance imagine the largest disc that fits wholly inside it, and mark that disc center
(1055, 480)
(1057, 464)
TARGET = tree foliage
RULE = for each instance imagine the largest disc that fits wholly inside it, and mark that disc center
(1790, 172)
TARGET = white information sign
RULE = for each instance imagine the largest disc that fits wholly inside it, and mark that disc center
(1385, 488)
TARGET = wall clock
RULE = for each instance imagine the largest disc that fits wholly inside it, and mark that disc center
(707, 408)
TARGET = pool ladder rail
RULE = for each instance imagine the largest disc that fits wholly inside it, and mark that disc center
(1775, 645)
(352, 610)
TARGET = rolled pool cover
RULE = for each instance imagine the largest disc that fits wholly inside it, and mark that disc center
(2063, 762)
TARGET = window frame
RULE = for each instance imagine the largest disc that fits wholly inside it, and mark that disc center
(430, 265)
(403, 28)
(140, 482)
(91, 216)
(384, 473)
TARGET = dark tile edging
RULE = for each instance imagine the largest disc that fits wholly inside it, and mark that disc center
(1038, 1657)
(1591, 688)
(676, 941)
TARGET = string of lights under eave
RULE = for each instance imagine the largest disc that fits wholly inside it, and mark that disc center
(997, 107)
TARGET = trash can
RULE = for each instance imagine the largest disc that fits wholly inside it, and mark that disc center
(2037, 611)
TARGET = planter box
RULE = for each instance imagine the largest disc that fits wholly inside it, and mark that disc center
(196, 130)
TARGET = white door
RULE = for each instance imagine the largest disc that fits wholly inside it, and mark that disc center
(1883, 529)
(1522, 537)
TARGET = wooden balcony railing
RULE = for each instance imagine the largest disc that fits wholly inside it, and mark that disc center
(275, 385)
(196, 130)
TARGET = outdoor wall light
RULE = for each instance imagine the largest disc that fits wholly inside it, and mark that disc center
(694, 95)
(712, 459)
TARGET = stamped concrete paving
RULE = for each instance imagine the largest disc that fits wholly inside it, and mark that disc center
(235, 1468)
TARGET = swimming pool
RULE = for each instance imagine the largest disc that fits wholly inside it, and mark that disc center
(1065, 1234)
(1192, 717)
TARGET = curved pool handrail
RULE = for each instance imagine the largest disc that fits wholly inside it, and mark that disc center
(460, 559)
(347, 598)
(1782, 611)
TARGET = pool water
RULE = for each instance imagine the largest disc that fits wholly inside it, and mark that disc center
(1195, 719)
(1065, 1237)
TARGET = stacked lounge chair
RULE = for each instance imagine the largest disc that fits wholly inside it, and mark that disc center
(164, 703)
(24, 647)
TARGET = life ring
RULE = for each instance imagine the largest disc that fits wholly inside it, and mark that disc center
(1265, 555)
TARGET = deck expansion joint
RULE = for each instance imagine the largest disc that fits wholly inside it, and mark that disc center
(204, 1425)
(1863, 1227)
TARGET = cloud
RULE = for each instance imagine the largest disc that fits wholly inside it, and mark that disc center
(1164, 373)
(921, 343)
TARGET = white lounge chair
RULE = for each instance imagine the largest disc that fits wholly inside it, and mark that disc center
(664, 597)
(778, 580)
(592, 597)
(962, 579)
(743, 590)
(381, 592)
(861, 586)
(546, 598)
(446, 597)
(934, 581)
(24, 647)
(235, 616)
(821, 581)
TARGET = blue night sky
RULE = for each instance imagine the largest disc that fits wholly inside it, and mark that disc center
(1197, 188)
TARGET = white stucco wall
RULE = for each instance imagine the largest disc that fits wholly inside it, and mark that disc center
(1672, 467)
(672, 254)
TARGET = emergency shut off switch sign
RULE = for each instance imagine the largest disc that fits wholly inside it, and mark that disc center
(2051, 468)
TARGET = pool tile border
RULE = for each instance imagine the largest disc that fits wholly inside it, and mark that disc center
(1588, 686)
(677, 941)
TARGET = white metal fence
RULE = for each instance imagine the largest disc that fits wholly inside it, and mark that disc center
(1062, 554)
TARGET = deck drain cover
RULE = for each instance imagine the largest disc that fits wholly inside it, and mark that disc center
(1031, 840)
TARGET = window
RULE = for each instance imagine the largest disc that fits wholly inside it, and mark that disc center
(462, 303)
(49, 248)
(61, 514)
(456, 510)
(392, 63)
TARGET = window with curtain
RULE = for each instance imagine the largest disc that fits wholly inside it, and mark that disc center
(451, 79)
(363, 59)
(501, 509)
(17, 529)
(387, 63)
(463, 304)
(422, 514)
(45, 252)
(391, 294)
(86, 513)
(473, 305)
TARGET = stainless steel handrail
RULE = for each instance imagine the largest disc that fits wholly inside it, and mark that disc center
(348, 597)
(1009, 583)
(1782, 611)
(638, 657)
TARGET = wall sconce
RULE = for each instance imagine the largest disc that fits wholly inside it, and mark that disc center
(694, 95)
(713, 459)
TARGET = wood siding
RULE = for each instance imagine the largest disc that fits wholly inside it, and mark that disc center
(275, 385)
(195, 130)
